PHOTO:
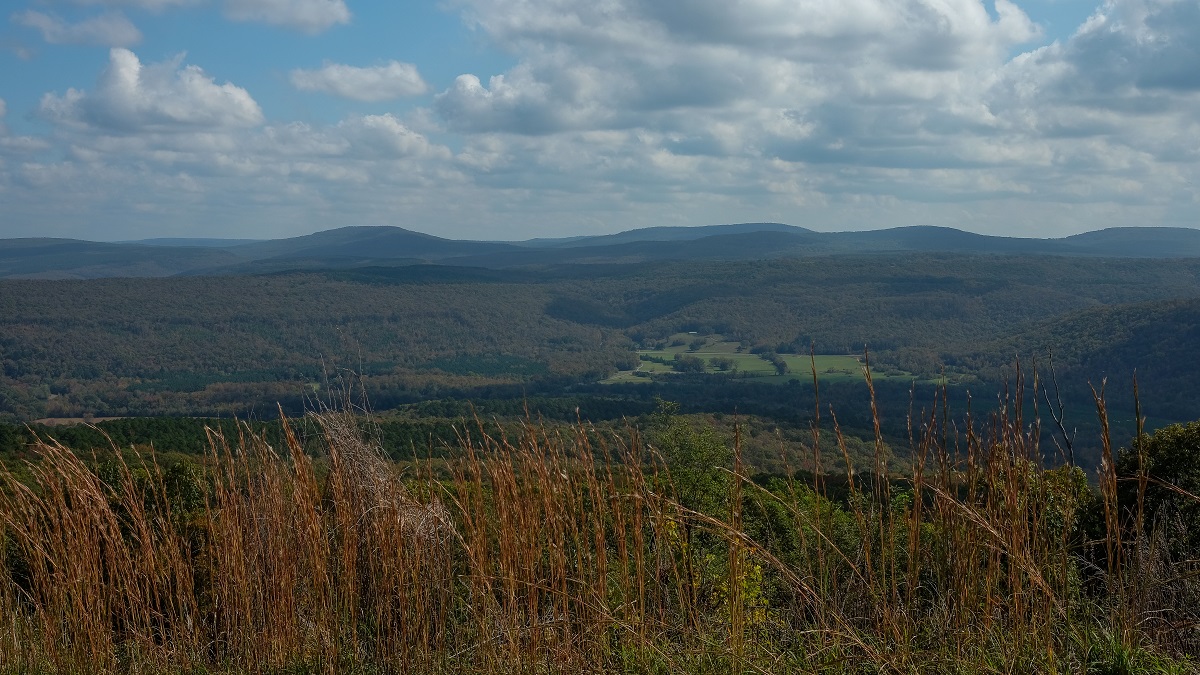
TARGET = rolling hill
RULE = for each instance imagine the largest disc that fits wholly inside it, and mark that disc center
(360, 247)
(75, 259)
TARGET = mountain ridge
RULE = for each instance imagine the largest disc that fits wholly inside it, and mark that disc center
(355, 247)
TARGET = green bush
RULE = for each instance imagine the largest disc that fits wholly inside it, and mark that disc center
(1170, 458)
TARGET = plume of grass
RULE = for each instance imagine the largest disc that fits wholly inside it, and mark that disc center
(550, 549)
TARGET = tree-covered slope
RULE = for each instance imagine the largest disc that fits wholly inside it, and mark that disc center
(211, 344)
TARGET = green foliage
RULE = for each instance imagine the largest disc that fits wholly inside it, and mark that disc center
(491, 365)
(698, 460)
(723, 363)
(221, 345)
(1110, 656)
(1170, 460)
(688, 364)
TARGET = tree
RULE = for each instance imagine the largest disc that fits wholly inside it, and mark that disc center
(699, 464)
(688, 364)
(1170, 458)
(722, 363)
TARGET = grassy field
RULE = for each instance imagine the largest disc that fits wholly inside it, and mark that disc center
(550, 552)
(739, 362)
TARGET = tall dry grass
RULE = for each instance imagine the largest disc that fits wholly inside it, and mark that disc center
(550, 551)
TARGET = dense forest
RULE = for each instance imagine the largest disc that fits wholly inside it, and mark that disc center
(448, 343)
(236, 344)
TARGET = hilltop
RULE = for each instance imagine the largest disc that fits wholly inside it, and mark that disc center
(388, 246)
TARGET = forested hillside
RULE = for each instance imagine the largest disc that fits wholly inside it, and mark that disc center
(234, 344)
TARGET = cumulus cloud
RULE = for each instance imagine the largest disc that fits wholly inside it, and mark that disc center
(626, 113)
(586, 64)
(517, 102)
(386, 136)
(360, 137)
(374, 83)
(915, 98)
(1147, 46)
(130, 96)
(109, 30)
(1125, 87)
(915, 34)
(363, 169)
(880, 84)
(308, 16)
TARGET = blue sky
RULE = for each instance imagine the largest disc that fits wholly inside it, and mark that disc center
(510, 119)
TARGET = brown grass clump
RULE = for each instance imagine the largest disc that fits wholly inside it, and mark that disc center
(553, 552)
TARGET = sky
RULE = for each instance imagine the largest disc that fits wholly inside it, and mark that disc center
(514, 119)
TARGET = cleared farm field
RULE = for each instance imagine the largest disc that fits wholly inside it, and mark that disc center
(726, 357)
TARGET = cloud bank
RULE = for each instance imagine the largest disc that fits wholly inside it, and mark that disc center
(108, 30)
(844, 114)
(391, 80)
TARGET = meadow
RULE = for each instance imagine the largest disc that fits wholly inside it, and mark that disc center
(717, 355)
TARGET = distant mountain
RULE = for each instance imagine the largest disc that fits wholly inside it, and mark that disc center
(1140, 242)
(367, 242)
(745, 246)
(664, 234)
(75, 259)
(743, 242)
(360, 247)
(929, 239)
(191, 241)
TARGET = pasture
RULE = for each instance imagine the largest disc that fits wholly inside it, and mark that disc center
(727, 357)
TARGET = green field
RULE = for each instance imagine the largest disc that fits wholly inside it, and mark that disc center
(741, 363)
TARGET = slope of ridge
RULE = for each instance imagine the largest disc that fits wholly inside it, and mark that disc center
(1148, 242)
(45, 258)
(664, 234)
(1107, 345)
(367, 242)
(930, 239)
(198, 242)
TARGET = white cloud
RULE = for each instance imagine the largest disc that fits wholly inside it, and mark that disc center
(831, 114)
(152, 5)
(611, 64)
(1127, 81)
(386, 136)
(515, 102)
(22, 146)
(109, 30)
(366, 137)
(131, 97)
(375, 83)
(308, 16)
(918, 99)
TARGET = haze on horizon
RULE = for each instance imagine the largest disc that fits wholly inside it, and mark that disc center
(515, 119)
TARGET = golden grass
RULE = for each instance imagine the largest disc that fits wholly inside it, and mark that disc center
(548, 552)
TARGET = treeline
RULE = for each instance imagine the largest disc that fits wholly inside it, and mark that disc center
(406, 439)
